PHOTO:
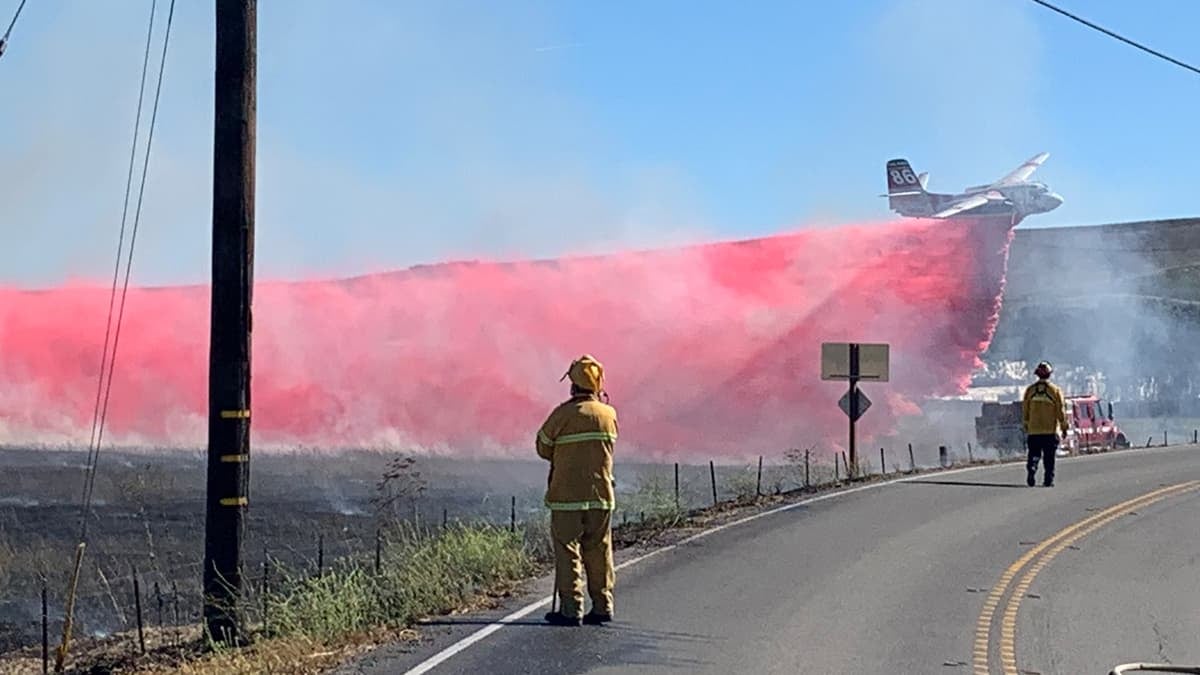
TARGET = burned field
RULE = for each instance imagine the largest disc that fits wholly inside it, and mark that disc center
(308, 510)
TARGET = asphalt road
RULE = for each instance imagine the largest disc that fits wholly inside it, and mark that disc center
(894, 579)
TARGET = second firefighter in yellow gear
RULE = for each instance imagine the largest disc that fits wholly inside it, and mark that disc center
(577, 439)
(1044, 416)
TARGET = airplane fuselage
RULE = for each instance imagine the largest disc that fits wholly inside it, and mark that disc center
(1031, 198)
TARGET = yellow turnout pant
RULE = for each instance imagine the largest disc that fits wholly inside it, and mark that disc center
(585, 535)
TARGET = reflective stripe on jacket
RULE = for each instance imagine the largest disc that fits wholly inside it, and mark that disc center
(577, 438)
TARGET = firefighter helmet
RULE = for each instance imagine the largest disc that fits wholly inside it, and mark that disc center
(1043, 370)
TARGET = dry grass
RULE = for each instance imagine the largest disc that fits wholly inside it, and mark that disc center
(297, 654)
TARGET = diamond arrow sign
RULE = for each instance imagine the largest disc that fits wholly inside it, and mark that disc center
(863, 403)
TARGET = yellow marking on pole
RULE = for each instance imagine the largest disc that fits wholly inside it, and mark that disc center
(234, 459)
(983, 627)
(234, 501)
(235, 414)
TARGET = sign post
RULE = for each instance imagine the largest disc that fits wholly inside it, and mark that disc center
(854, 362)
(854, 408)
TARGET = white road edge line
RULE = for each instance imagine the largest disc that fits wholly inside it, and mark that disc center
(481, 634)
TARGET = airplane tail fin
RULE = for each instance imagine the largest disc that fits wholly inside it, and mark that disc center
(906, 190)
(902, 180)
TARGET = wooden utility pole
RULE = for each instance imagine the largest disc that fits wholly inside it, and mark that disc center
(232, 287)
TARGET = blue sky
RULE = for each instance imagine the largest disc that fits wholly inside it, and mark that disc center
(394, 133)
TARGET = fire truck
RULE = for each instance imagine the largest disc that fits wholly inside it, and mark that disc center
(1090, 427)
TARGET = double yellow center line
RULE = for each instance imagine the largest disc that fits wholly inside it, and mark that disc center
(1042, 555)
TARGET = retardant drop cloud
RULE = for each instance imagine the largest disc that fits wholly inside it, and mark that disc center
(710, 350)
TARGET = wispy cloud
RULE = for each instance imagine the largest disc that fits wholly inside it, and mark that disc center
(554, 48)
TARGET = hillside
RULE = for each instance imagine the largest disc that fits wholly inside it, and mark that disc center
(1121, 299)
(1068, 261)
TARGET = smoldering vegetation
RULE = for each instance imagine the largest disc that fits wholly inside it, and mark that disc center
(1116, 308)
(308, 510)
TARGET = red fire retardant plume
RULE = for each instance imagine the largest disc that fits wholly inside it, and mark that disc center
(710, 350)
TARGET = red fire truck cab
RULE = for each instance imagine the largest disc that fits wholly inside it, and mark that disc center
(1092, 428)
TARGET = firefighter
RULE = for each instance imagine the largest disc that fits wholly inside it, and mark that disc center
(577, 439)
(1044, 417)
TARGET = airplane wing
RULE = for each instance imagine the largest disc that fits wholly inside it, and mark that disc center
(972, 202)
(1023, 172)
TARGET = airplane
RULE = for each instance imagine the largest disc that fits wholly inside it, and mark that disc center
(1014, 195)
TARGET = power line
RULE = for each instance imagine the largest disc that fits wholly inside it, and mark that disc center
(4, 38)
(108, 358)
(14, 19)
(1111, 34)
(132, 241)
(93, 446)
(98, 424)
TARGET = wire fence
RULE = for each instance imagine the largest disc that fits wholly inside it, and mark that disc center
(153, 602)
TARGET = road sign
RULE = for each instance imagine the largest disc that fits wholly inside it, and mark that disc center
(872, 362)
(863, 403)
(854, 362)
